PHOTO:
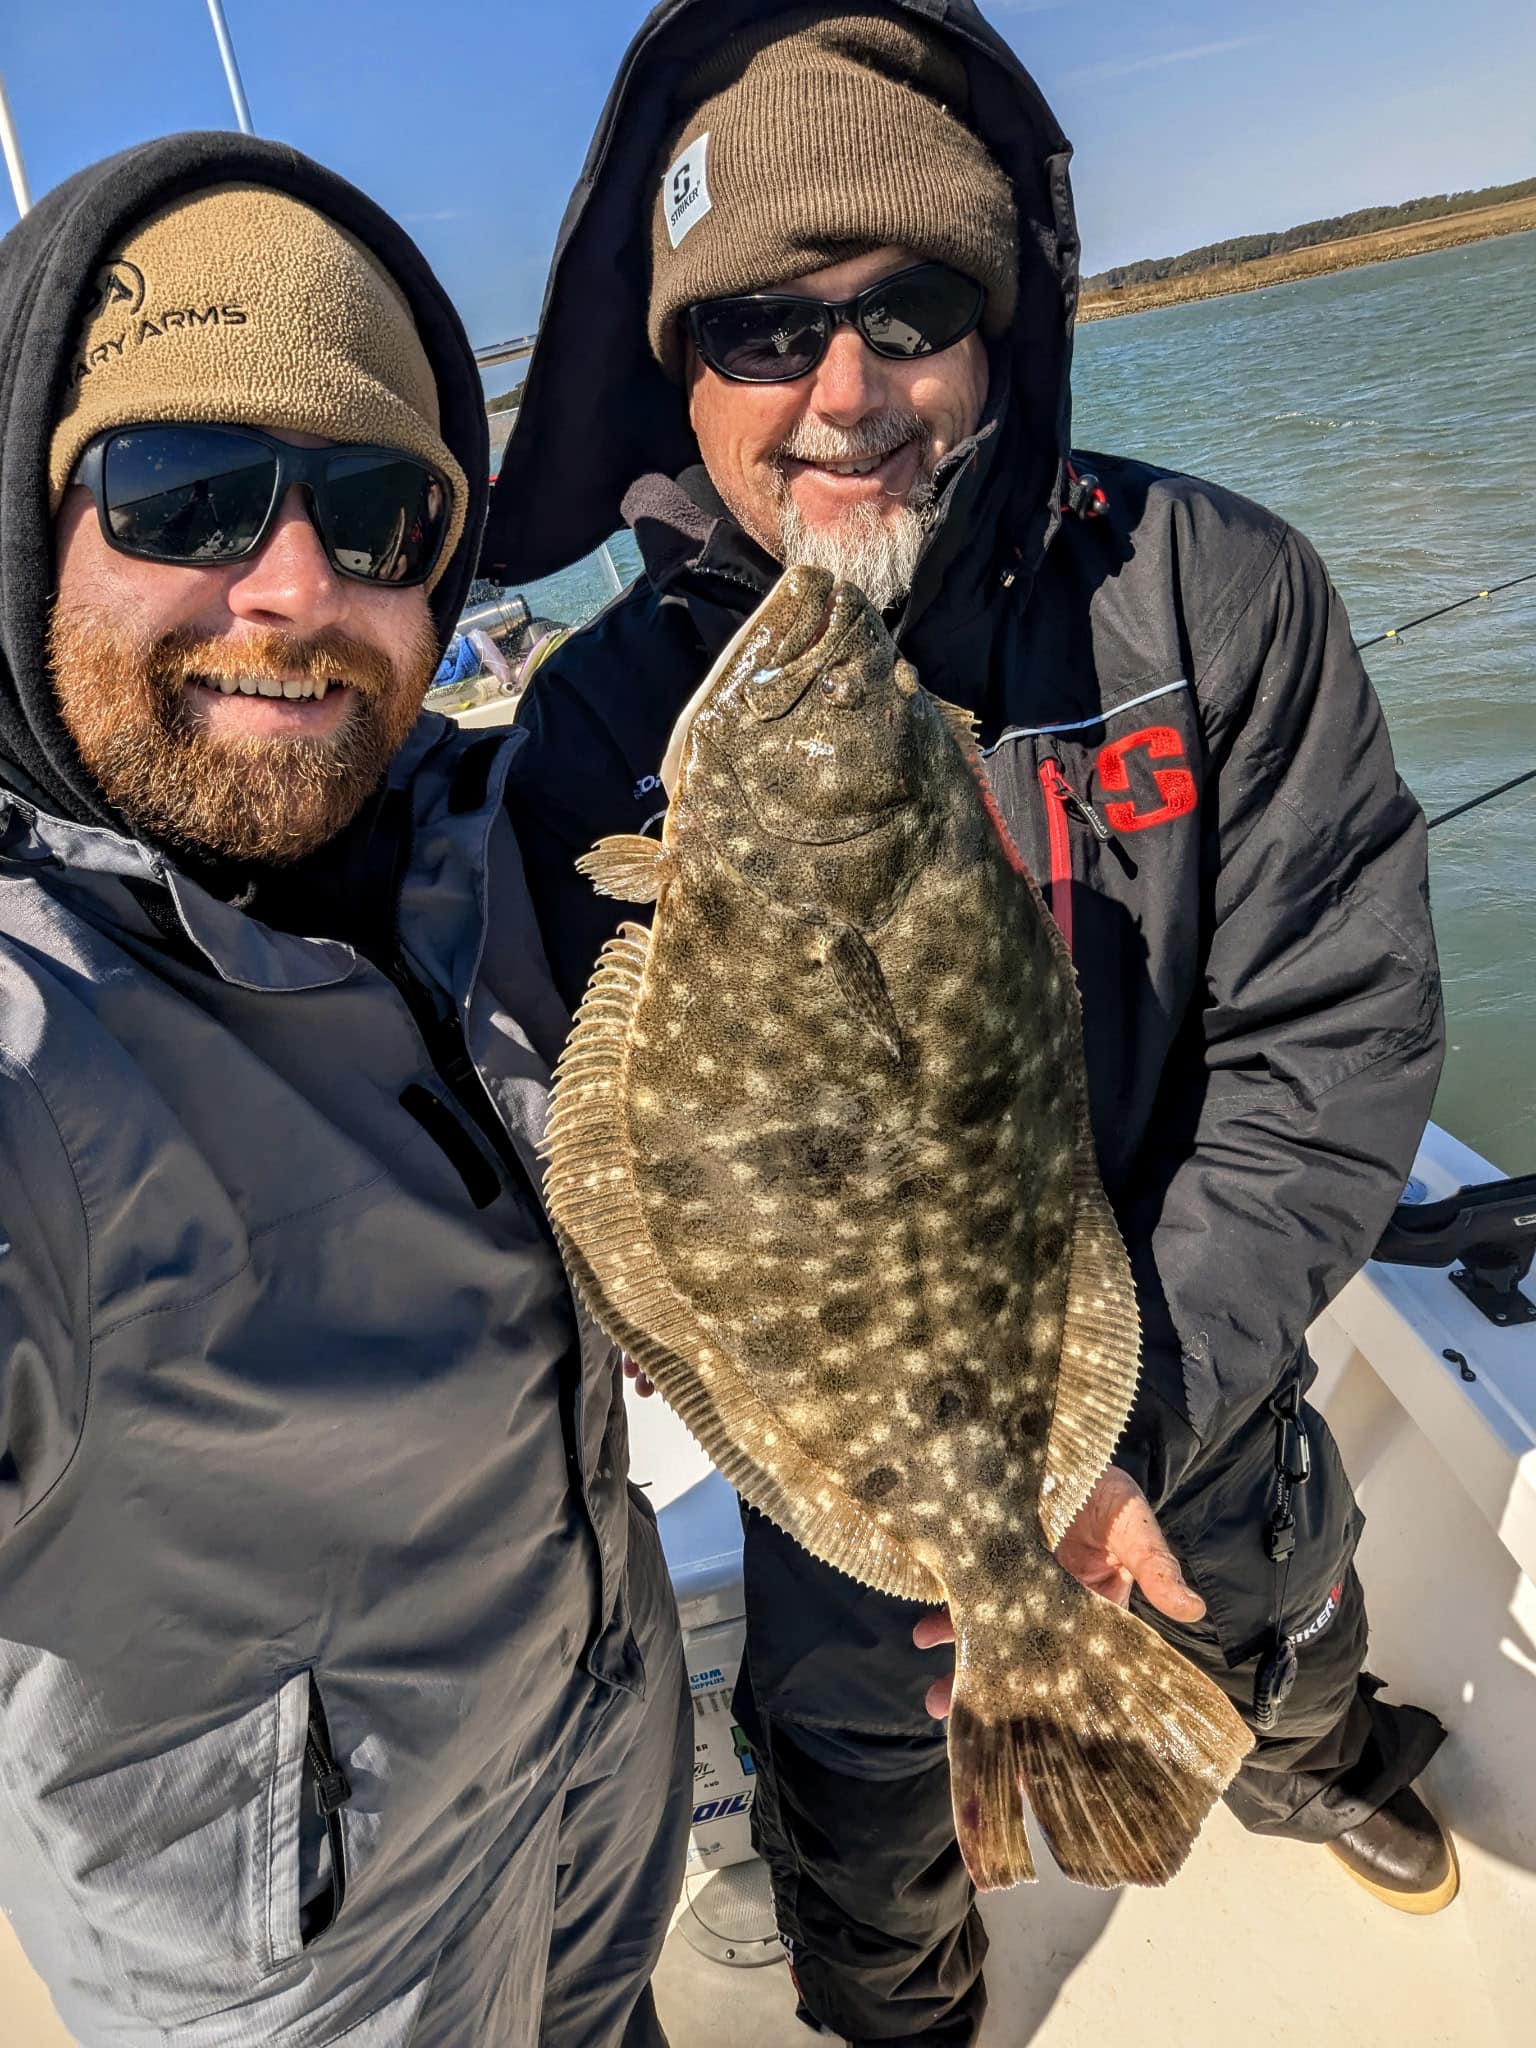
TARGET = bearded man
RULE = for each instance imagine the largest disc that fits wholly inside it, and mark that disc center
(814, 303)
(341, 1694)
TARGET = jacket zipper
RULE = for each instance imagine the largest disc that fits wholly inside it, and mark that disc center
(332, 1790)
(1061, 797)
(447, 1049)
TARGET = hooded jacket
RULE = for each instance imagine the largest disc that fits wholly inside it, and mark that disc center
(1177, 729)
(315, 1563)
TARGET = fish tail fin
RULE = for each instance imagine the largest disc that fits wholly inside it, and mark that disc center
(1120, 1745)
(986, 1781)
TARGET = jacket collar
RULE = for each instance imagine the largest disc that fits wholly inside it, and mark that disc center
(107, 866)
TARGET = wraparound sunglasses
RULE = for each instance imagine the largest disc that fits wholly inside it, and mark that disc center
(775, 337)
(202, 496)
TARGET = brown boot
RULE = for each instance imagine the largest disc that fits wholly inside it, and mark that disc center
(1402, 1855)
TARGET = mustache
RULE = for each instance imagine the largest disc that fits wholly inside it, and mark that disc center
(267, 655)
(881, 434)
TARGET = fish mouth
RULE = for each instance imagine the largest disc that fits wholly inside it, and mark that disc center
(811, 628)
(814, 643)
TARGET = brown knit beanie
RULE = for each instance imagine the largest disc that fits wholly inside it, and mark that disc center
(816, 136)
(245, 306)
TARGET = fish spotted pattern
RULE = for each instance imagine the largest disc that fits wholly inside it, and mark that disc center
(820, 1160)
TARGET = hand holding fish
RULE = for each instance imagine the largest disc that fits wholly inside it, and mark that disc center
(1114, 1543)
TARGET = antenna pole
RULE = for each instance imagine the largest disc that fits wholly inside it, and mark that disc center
(231, 67)
(12, 150)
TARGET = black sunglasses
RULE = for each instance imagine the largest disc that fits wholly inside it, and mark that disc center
(774, 337)
(203, 496)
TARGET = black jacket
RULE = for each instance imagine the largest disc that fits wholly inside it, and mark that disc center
(1179, 732)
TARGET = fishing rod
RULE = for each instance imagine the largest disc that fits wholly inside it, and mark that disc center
(1473, 802)
(1444, 611)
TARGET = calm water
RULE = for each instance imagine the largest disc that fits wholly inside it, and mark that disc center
(1391, 414)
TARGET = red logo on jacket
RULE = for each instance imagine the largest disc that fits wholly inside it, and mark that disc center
(1175, 786)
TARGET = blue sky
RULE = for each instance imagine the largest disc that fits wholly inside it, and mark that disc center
(469, 118)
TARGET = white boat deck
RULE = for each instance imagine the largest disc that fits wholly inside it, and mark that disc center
(1256, 1942)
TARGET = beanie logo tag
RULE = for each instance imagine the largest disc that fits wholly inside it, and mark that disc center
(686, 198)
(118, 284)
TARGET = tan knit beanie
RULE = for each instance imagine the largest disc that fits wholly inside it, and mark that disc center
(246, 306)
(815, 136)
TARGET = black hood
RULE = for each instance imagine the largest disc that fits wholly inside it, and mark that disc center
(598, 413)
(48, 267)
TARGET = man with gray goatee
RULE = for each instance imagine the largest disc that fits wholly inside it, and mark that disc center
(813, 302)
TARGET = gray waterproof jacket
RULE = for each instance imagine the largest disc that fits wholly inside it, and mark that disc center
(315, 1572)
(312, 1482)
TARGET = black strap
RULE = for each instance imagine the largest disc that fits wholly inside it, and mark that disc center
(1293, 1467)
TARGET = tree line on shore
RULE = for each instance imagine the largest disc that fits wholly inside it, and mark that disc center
(1365, 220)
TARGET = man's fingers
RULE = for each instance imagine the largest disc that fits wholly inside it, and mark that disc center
(934, 1629)
(1171, 1594)
(1143, 1550)
(643, 1386)
(1114, 1583)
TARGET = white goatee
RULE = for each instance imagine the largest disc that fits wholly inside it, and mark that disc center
(871, 546)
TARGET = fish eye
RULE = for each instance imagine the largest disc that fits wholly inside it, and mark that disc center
(844, 686)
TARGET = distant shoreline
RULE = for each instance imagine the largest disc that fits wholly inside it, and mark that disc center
(1514, 217)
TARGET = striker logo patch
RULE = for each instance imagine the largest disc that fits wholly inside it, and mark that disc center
(1323, 1618)
(687, 190)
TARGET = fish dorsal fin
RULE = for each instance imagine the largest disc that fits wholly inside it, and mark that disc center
(1100, 1351)
(627, 866)
(963, 724)
(862, 986)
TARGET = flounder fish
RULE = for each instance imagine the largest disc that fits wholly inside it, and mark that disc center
(820, 1160)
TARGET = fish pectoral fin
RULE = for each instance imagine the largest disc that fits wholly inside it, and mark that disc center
(862, 987)
(627, 866)
(1100, 1351)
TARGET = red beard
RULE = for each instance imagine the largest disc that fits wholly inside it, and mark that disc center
(130, 708)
